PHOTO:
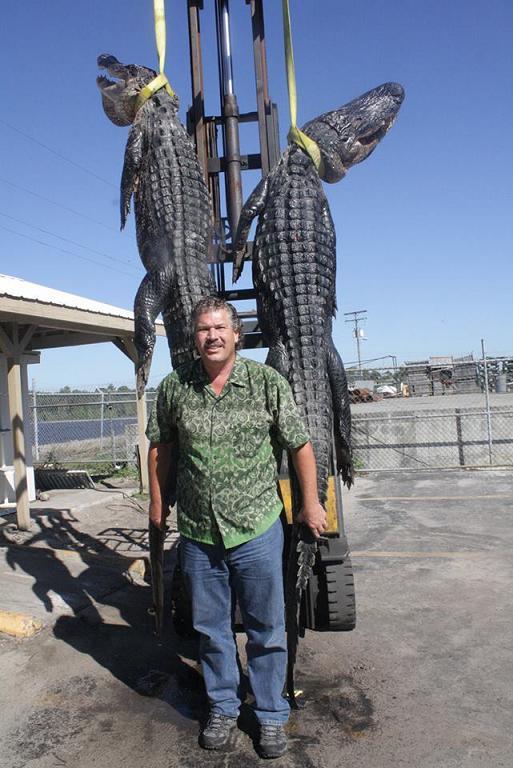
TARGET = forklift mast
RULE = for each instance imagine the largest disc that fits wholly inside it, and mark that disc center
(231, 163)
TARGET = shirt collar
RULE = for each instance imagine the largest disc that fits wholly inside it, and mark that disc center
(238, 376)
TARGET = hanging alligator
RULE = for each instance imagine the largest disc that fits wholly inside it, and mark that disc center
(172, 210)
(294, 266)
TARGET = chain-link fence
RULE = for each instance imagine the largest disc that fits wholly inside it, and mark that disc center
(445, 412)
(81, 428)
(439, 413)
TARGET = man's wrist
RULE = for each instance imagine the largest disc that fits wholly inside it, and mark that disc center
(311, 501)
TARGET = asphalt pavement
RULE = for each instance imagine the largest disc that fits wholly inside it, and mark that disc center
(424, 680)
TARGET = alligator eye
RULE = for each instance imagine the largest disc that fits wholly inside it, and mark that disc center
(105, 60)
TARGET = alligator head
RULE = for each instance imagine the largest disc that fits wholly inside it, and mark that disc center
(348, 135)
(119, 95)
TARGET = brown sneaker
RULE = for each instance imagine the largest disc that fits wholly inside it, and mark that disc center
(216, 733)
(272, 742)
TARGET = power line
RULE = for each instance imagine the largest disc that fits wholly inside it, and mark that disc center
(64, 239)
(63, 250)
(59, 205)
(57, 154)
(374, 360)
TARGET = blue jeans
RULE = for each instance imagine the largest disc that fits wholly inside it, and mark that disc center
(254, 571)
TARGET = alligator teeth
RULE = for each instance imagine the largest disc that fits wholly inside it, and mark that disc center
(102, 80)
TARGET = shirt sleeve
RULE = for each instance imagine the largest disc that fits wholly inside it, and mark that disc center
(290, 428)
(161, 427)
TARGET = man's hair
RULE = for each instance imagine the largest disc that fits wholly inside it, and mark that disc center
(215, 304)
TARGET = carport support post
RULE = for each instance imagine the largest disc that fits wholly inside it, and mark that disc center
(127, 346)
(143, 442)
(18, 437)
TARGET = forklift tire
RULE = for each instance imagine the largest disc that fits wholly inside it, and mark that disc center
(333, 597)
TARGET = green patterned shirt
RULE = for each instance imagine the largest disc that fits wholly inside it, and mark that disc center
(227, 448)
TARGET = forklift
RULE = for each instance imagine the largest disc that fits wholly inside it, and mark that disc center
(328, 604)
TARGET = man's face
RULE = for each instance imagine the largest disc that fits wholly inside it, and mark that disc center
(215, 337)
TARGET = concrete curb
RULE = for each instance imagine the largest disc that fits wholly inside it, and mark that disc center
(19, 624)
(109, 495)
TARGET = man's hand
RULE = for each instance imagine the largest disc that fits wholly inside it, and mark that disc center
(314, 516)
(158, 515)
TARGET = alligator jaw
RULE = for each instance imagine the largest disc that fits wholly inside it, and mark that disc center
(111, 88)
(347, 136)
(118, 94)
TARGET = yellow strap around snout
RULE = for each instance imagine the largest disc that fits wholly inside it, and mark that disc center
(295, 135)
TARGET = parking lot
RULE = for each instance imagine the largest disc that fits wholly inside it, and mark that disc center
(424, 680)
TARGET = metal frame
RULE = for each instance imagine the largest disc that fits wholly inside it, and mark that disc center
(231, 164)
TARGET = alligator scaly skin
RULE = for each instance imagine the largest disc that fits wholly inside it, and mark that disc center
(294, 268)
(294, 272)
(172, 214)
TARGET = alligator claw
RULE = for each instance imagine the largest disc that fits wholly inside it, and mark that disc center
(347, 473)
(142, 375)
(238, 264)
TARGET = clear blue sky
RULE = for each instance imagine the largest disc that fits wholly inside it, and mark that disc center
(424, 225)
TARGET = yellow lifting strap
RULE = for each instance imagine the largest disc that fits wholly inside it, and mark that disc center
(295, 134)
(161, 80)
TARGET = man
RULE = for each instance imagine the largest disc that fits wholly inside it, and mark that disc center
(227, 418)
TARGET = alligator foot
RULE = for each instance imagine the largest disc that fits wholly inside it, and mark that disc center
(344, 464)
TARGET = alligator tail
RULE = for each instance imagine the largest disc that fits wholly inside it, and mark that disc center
(301, 559)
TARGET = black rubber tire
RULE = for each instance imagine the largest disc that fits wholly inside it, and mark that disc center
(334, 597)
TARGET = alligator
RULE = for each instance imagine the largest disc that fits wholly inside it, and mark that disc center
(172, 210)
(294, 265)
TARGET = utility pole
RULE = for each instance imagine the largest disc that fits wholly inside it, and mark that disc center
(356, 318)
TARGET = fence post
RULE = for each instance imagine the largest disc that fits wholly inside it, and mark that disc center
(102, 418)
(459, 437)
(34, 421)
(112, 442)
(487, 399)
